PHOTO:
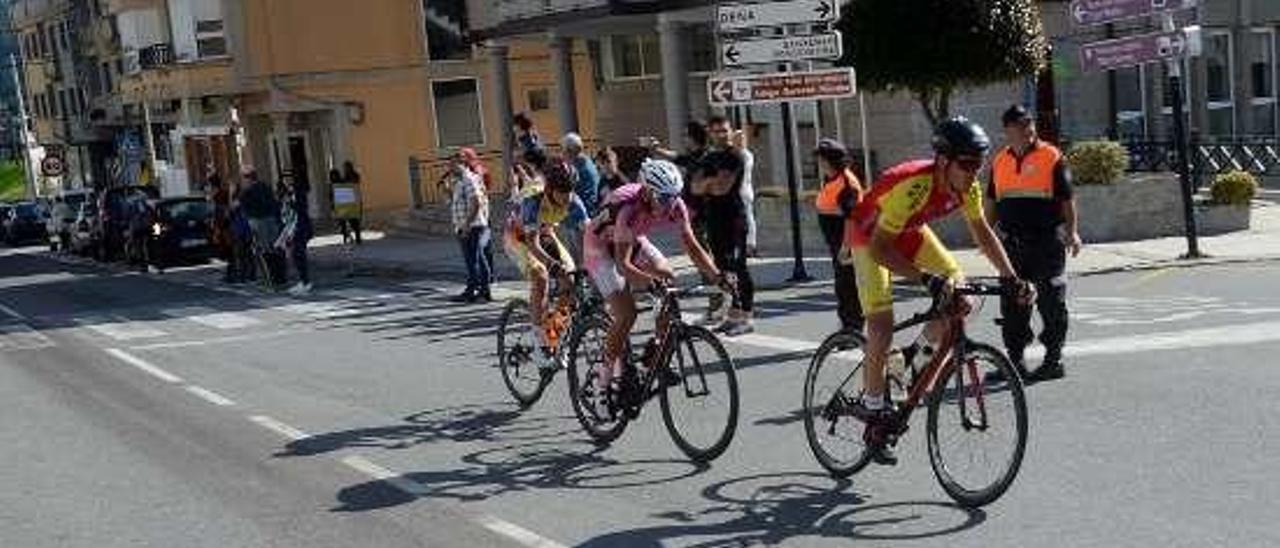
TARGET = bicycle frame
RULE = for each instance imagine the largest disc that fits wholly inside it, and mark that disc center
(668, 321)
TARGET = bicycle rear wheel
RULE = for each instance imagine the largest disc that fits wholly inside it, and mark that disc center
(701, 410)
(516, 345)
(977, 428)
(832, 384)
(586, 361)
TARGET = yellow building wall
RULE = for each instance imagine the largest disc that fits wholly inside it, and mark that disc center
(373, 52)
(313, 36)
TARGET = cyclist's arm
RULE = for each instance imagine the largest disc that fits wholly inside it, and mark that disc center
(636, 277)
(982, 233)
(697, 254)
(533, 238)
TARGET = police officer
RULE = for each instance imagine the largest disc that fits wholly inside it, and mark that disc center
(1035, 213)
(840, 192)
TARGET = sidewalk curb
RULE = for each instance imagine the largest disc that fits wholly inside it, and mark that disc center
(1175, 263)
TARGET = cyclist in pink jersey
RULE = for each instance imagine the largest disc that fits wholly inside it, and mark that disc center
(620, 257)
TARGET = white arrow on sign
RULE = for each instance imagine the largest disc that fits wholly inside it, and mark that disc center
(1097, 12)
(732, 17)
(774, 50)
(753, 89)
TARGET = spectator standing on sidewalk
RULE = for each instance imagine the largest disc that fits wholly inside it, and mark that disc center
(611, 175)
(586, 186)
(220, 231)
(719, 189)
(835, 202)
(730, 220)
(1035, 212)
(349, 222)
(300, 234)
(262, 211)
(470, 209)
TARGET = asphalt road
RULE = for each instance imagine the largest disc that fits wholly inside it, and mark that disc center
(140, 410)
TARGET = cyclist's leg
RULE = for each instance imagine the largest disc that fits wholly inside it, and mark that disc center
(622, 310)
(934, 258)
(875, 291)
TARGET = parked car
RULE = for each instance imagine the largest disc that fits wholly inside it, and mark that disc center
(5, 208)
(59, 227)
(84, 230)
(25, 222)
(180, 231)
(116, 213)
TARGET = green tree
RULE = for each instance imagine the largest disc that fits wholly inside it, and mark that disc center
(931, 48)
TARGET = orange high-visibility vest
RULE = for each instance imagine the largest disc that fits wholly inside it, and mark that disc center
(1031, 178)
(828, 201)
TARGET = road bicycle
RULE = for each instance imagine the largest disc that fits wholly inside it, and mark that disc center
(684, 366)
(517, 341)
(967, 407)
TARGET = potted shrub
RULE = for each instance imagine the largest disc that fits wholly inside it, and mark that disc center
(1227, 208)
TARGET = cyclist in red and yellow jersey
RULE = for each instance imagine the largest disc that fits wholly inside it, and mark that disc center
(888, 233)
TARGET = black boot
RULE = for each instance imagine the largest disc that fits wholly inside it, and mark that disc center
(1051, 369)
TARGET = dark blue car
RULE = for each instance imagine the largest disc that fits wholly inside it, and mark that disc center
(180, 231)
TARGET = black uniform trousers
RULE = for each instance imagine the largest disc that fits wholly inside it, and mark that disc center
(849, 308)
(1041, 259)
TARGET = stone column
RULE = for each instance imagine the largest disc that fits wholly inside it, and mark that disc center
(566, 93)
(501, 65)
(279, 147)
(675, 79)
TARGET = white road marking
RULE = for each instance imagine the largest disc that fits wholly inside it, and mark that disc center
(278, 427)
(20, 336)
(121, 329)
(776, 343)
(12, 313)
(1226, 335)
(211, 317)
(367, 467)
(515, 532)
(219, 340)
(144, 366)
(11, 282)
(210, 396)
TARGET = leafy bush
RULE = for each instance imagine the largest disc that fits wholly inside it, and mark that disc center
(1234, 188)
(1098, 162)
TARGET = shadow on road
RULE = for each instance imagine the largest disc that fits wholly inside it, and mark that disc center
(769, 509)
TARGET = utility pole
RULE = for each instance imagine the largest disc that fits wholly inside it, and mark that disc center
(23, 132)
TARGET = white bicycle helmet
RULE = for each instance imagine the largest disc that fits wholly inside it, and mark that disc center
(661, 176)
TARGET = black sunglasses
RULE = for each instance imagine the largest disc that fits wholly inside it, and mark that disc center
(969, 163)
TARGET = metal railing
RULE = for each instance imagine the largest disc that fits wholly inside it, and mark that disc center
(1258, 156)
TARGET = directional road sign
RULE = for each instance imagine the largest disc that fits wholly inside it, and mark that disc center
(735, 17)
(725, 91)
(776, 50)
(1140, 49)
(1097, 12)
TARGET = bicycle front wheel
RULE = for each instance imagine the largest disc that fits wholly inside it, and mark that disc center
(700, 405)
(586, 365)
(831, 386)
(977, 428)
(516, 345)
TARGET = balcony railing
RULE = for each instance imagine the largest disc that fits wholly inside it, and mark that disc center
(156, 56)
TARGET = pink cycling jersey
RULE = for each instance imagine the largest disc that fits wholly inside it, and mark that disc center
(633, 221)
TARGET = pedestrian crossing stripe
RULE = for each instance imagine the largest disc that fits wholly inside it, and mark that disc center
(120, 329)
(20, 336)
(213, 318)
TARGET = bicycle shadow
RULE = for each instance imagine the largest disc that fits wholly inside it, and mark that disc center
(464, 423)
(770, 509)
(516, 468)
